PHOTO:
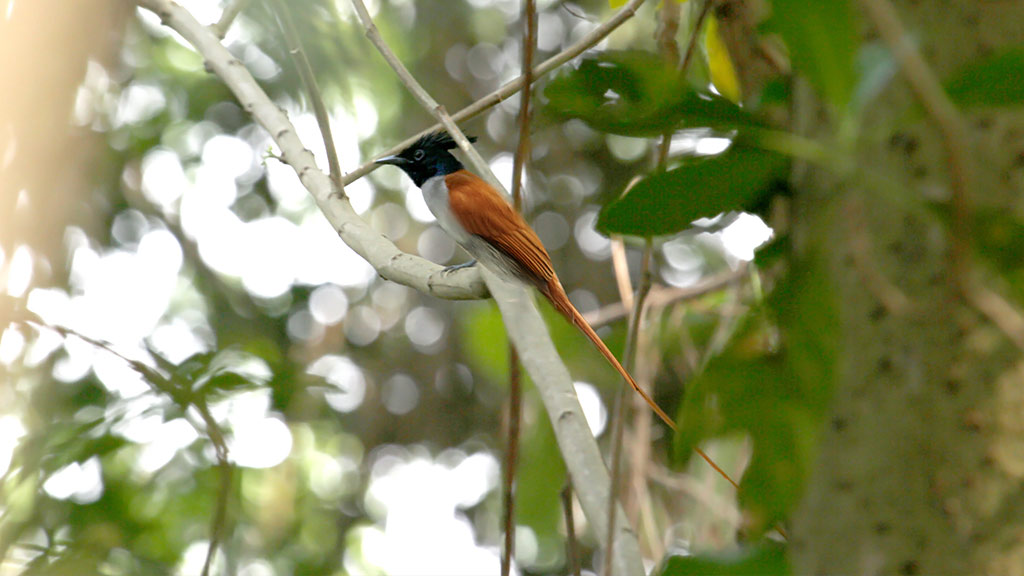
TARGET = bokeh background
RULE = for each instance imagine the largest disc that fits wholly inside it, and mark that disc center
(142, 209)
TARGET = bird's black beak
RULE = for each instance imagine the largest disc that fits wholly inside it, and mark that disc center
(394, 160)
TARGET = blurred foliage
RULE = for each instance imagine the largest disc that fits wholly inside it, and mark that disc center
(990, 81)
(637, 94)
(773, 382)
(723, 73)
(822, 38)
(750, 366)
(668, 202)
(769, 558)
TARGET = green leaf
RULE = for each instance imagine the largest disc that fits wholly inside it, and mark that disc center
(991, 81)
(766, 559)
(822, 41)
(636, 94)
(224, 382)
(998, 236)
(805, 305)
(773, 381)
(668, 202)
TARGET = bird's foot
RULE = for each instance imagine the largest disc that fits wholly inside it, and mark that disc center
(449, 269)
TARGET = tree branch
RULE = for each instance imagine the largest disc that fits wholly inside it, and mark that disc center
(494, 98)
(529, 334)
(947, 118)
(390, 262)
(515, 383)
(228, 16)
(179, 395)
(291, 36)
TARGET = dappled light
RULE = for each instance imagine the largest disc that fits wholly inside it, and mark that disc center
(229, 343)
(205, 260)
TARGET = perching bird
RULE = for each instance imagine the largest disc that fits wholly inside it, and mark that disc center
(473, 213)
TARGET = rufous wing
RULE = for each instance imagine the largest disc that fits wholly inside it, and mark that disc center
(484, 213)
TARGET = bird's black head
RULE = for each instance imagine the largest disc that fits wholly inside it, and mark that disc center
(427, 157)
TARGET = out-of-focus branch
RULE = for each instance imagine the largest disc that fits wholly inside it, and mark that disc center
(494, 98)
(571, 552)
(944, 113)
(227, 17)
(515, 384)
(691, 46)
(390, 262)
(661, 297)
(291, 37)
(167, 386)
(629, 360)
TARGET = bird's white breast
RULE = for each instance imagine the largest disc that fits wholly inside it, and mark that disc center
(435, 194)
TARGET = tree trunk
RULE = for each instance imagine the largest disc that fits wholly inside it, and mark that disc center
(921, 459)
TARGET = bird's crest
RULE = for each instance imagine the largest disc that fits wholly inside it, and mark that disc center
(440, 140)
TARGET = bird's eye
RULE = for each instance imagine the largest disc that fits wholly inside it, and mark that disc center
(419, 154)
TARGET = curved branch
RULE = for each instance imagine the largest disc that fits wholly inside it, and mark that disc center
(494, 98)
(390, 262)
(529, 335)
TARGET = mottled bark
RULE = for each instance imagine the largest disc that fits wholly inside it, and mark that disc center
(922, 455)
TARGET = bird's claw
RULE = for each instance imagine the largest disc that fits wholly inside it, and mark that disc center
(449, 269)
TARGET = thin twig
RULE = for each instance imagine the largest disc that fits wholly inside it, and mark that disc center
(523, 150)
(515, 411)
(227, 17)
(220, 512)
(691, 47)
(514, 377)
(308, 78)
(1000, 312)
(944, 113)
(494, 98)
(526, 329)
(180, 396)
(620, 267)
(389, 262)
(662, 296)
(422, 96)
(629, 358)
(640, 452)
(616, 475)
(571, 553)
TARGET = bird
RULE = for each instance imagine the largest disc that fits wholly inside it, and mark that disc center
(494, 234)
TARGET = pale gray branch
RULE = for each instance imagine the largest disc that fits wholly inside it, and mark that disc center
(390, 262)
(531, 339)
(582, 457)
(494, 98)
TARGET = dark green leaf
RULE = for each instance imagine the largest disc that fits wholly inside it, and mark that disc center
(775, 389)
(224, 382)
(805, 305)
(636, 94)
(822, 41)
(191, 368)
(668, 202)
(992, 81)
(999, 237)
(766, 559)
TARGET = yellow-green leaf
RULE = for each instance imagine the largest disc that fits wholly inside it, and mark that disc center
(723, 74)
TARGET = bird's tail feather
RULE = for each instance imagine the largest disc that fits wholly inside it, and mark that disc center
(556, 294)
